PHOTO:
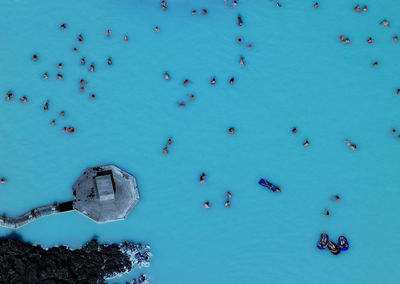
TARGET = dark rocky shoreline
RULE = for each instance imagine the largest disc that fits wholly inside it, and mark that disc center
(21, 262)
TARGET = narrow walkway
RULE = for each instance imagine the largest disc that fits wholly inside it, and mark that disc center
(15, 223)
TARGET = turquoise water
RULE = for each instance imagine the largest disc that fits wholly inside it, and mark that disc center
(297, 74)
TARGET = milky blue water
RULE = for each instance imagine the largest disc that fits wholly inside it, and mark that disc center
(298, 74)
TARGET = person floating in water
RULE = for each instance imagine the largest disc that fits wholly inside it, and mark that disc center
(126, 38)
(385, 23)
(241, 61)
(228, 202)
(63, 26)
(60, 65)
(335, 198)
(316, 5)
(166, 76)
(232, 81)
(204, 11)
(203, 178)
(45, 76)
(9, 95)
(164, 5)
(156, 29)
(191, 96)
(213, 81)
(344, 40)
(165, 150)
(53, 122)
(83, 61)
(3, 180)
(23, 99)
(35, 57)
(169, 142)
(62, 113)
(108, 33)
(181, 104)
(395, 38)
(357, 8)
(109, 61)
(186, 82)
(80, 38)
(294, 130)
(306, 143)
(60, 76)
(370, 40)
(231, 130)
(91, 69)
(375, 64)
(240, 21)
(326, 212)
(46, 106)
(194, 12)
(207, 205)
(75, 49)
(350, 145)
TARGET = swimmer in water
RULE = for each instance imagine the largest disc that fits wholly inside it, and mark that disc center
(23, 99)
(182, 104)
(82, 82)
(316, 5)
(109, 62)
(335, 198)
(191, 97)
(306, 143)
(232, 80)
(60, 76)
(80, 38)
(165, 150)
(9, 95)
(45, 76)
(393, 131)
(126, 38)
(204, 11)
(370, 40)
(3, 180)
(81, 89)
(241, 61)
(202, 178)
(62, 113)
(91, 69)
(239, 40)
(169, 142)
(375, 64)
(326, 213)
(213, 81)
(278, 5)
(156, 29)
(240, 21)
(249, 46)
(53, 122)
(294, 130)
(231, 130)
(207, 205)
(186, 82)
(164, 5)
(365, 9)
(228, 195)
(357, 9)
(385, 23)
(350, 145)
(395, 38)
(75, 49)
(227, 203)
(108, 33)
(93, 96)
(46, 106)
(194, 12)
(34, 57)
(83, 61)
(166, 76)
(63, 26)
(60, 65)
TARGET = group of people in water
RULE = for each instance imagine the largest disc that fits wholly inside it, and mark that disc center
(334, 248)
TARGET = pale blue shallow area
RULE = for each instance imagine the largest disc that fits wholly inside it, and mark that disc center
(297, 74)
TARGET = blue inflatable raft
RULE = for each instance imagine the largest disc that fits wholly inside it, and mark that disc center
(267, 184)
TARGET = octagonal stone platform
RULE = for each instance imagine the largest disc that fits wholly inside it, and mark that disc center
(105, 194)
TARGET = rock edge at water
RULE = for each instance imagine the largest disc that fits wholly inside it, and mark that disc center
(21, 262)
